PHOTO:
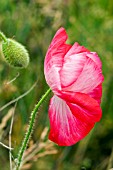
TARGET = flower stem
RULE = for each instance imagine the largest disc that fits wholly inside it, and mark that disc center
(3, 37)
(29, 130)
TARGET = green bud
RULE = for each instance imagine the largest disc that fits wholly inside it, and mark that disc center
(15, 54)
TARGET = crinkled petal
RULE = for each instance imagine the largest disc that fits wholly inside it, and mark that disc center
(54, 80)
(54, 59)
(97, 93)
(95, 58)
(67, 128)
(72, 68)
(76, 49)
(85, 102)
(73, 64)
(88, 108)
(90, 77)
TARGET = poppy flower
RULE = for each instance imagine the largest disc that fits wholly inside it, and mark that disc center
(74, 74)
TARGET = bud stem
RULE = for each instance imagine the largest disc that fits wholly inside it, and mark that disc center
(3, 37)
(29, 130)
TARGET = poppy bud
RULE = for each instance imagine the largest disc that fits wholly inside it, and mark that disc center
(15, 54)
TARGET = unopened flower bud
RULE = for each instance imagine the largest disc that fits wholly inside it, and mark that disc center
(15, 54)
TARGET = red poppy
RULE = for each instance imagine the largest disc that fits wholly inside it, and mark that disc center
(75, 76)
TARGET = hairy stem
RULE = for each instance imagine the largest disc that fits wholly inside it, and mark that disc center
(3, 37)
(29, 130)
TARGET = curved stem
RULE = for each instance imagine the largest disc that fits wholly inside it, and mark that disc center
(29, 131)
(3, 37)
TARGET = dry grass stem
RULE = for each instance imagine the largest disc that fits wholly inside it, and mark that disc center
(6, 118)
(5, 146)
(18, 98)
(13, 79)
(10, 132)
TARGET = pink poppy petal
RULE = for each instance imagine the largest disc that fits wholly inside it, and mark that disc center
(90, 106)
(54, 58)
(53, 79)
(56, 50)
(65, 128)
(73, 64)
(72, 68)
(90, 77)
(97, 93)
(76, 49)
(94, 56)
(86, 108)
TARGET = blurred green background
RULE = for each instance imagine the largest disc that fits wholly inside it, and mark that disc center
(34, 23)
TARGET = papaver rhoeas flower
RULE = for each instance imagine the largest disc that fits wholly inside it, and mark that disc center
(74, 74)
